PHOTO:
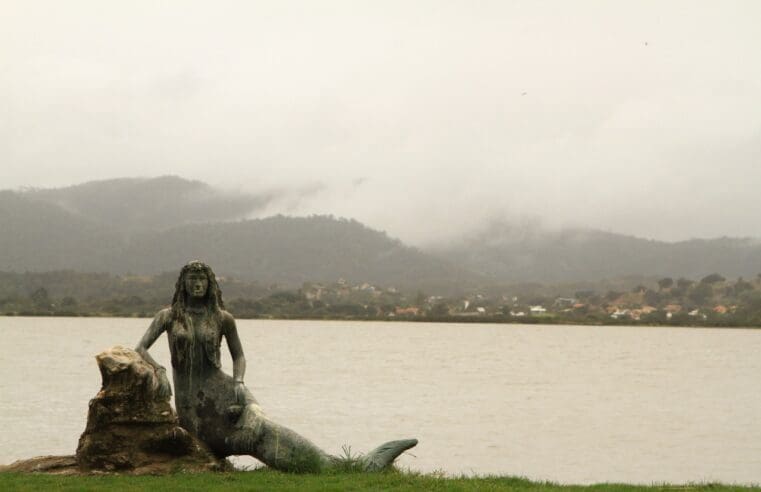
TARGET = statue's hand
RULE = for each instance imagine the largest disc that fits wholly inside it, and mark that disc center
(164, 391)
(240, 392)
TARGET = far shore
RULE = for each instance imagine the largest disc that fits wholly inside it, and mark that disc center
(529, 320)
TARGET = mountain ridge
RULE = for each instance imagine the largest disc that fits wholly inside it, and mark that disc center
(134, 202)
(42, 235)
(100, 226)
(572, 254)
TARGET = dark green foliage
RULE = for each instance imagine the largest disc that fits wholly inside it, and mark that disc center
(442, 309)
(701, 293)
(348, 462)
(712, 279)
(68, 302)
(584, 294)
(741, 286)
(612, 295)
(40, 298)
(69, 293)
(683, 283)
(682, 286)
(665, 283)
(651, 297)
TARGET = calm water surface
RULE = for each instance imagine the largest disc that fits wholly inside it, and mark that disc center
(564, 403)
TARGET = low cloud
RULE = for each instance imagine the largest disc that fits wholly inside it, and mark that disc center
(427, 120)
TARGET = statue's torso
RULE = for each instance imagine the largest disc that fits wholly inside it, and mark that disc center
(203, 393)
(195, 347)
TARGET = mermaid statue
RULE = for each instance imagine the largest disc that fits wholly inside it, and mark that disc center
(217, 408)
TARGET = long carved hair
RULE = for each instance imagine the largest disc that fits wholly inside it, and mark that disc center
(213, 299)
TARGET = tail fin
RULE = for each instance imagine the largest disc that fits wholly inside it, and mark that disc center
(385, 454)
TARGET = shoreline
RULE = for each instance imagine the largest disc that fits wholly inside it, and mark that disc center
(412, 319)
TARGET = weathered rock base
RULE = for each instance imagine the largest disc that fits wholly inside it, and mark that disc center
(57, 465)
(67, 465)
(130, 428)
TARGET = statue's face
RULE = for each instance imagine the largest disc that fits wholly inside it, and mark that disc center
(196, 284)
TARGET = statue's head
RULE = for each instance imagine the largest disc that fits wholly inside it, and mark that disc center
(196, 281)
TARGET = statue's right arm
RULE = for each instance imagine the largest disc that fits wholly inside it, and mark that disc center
(158, 326)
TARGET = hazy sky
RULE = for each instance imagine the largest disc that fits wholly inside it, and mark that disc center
(422, 118)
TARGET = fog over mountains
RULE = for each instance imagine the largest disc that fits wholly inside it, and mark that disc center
(137, 204)
(148, 226)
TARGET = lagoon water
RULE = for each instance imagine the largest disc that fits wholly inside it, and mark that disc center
(571, 404)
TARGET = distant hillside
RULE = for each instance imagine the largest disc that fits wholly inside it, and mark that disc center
(133, 204)
(39, 236)
(506, 252)
(42, 235)
(148, 226)
(290, 251)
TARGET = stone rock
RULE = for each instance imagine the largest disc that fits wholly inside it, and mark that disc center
(130, 427)
(56, 465)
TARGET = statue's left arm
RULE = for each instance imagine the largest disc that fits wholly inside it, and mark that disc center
(236, 352)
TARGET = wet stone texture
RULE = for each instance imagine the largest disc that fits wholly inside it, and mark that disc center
(130, 428)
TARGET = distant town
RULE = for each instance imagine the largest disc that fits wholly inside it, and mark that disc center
(710, 301)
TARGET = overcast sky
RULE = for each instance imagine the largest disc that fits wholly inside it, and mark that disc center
(423, 118)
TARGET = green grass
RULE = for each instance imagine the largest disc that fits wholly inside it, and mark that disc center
(267, 480)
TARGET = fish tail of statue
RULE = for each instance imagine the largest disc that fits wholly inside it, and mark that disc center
(283, 449)
(275, 445)
(384, 455)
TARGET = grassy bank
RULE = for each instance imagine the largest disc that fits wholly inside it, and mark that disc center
(271, 480)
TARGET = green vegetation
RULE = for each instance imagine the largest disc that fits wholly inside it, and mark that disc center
(270, 480)
(713, 301)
